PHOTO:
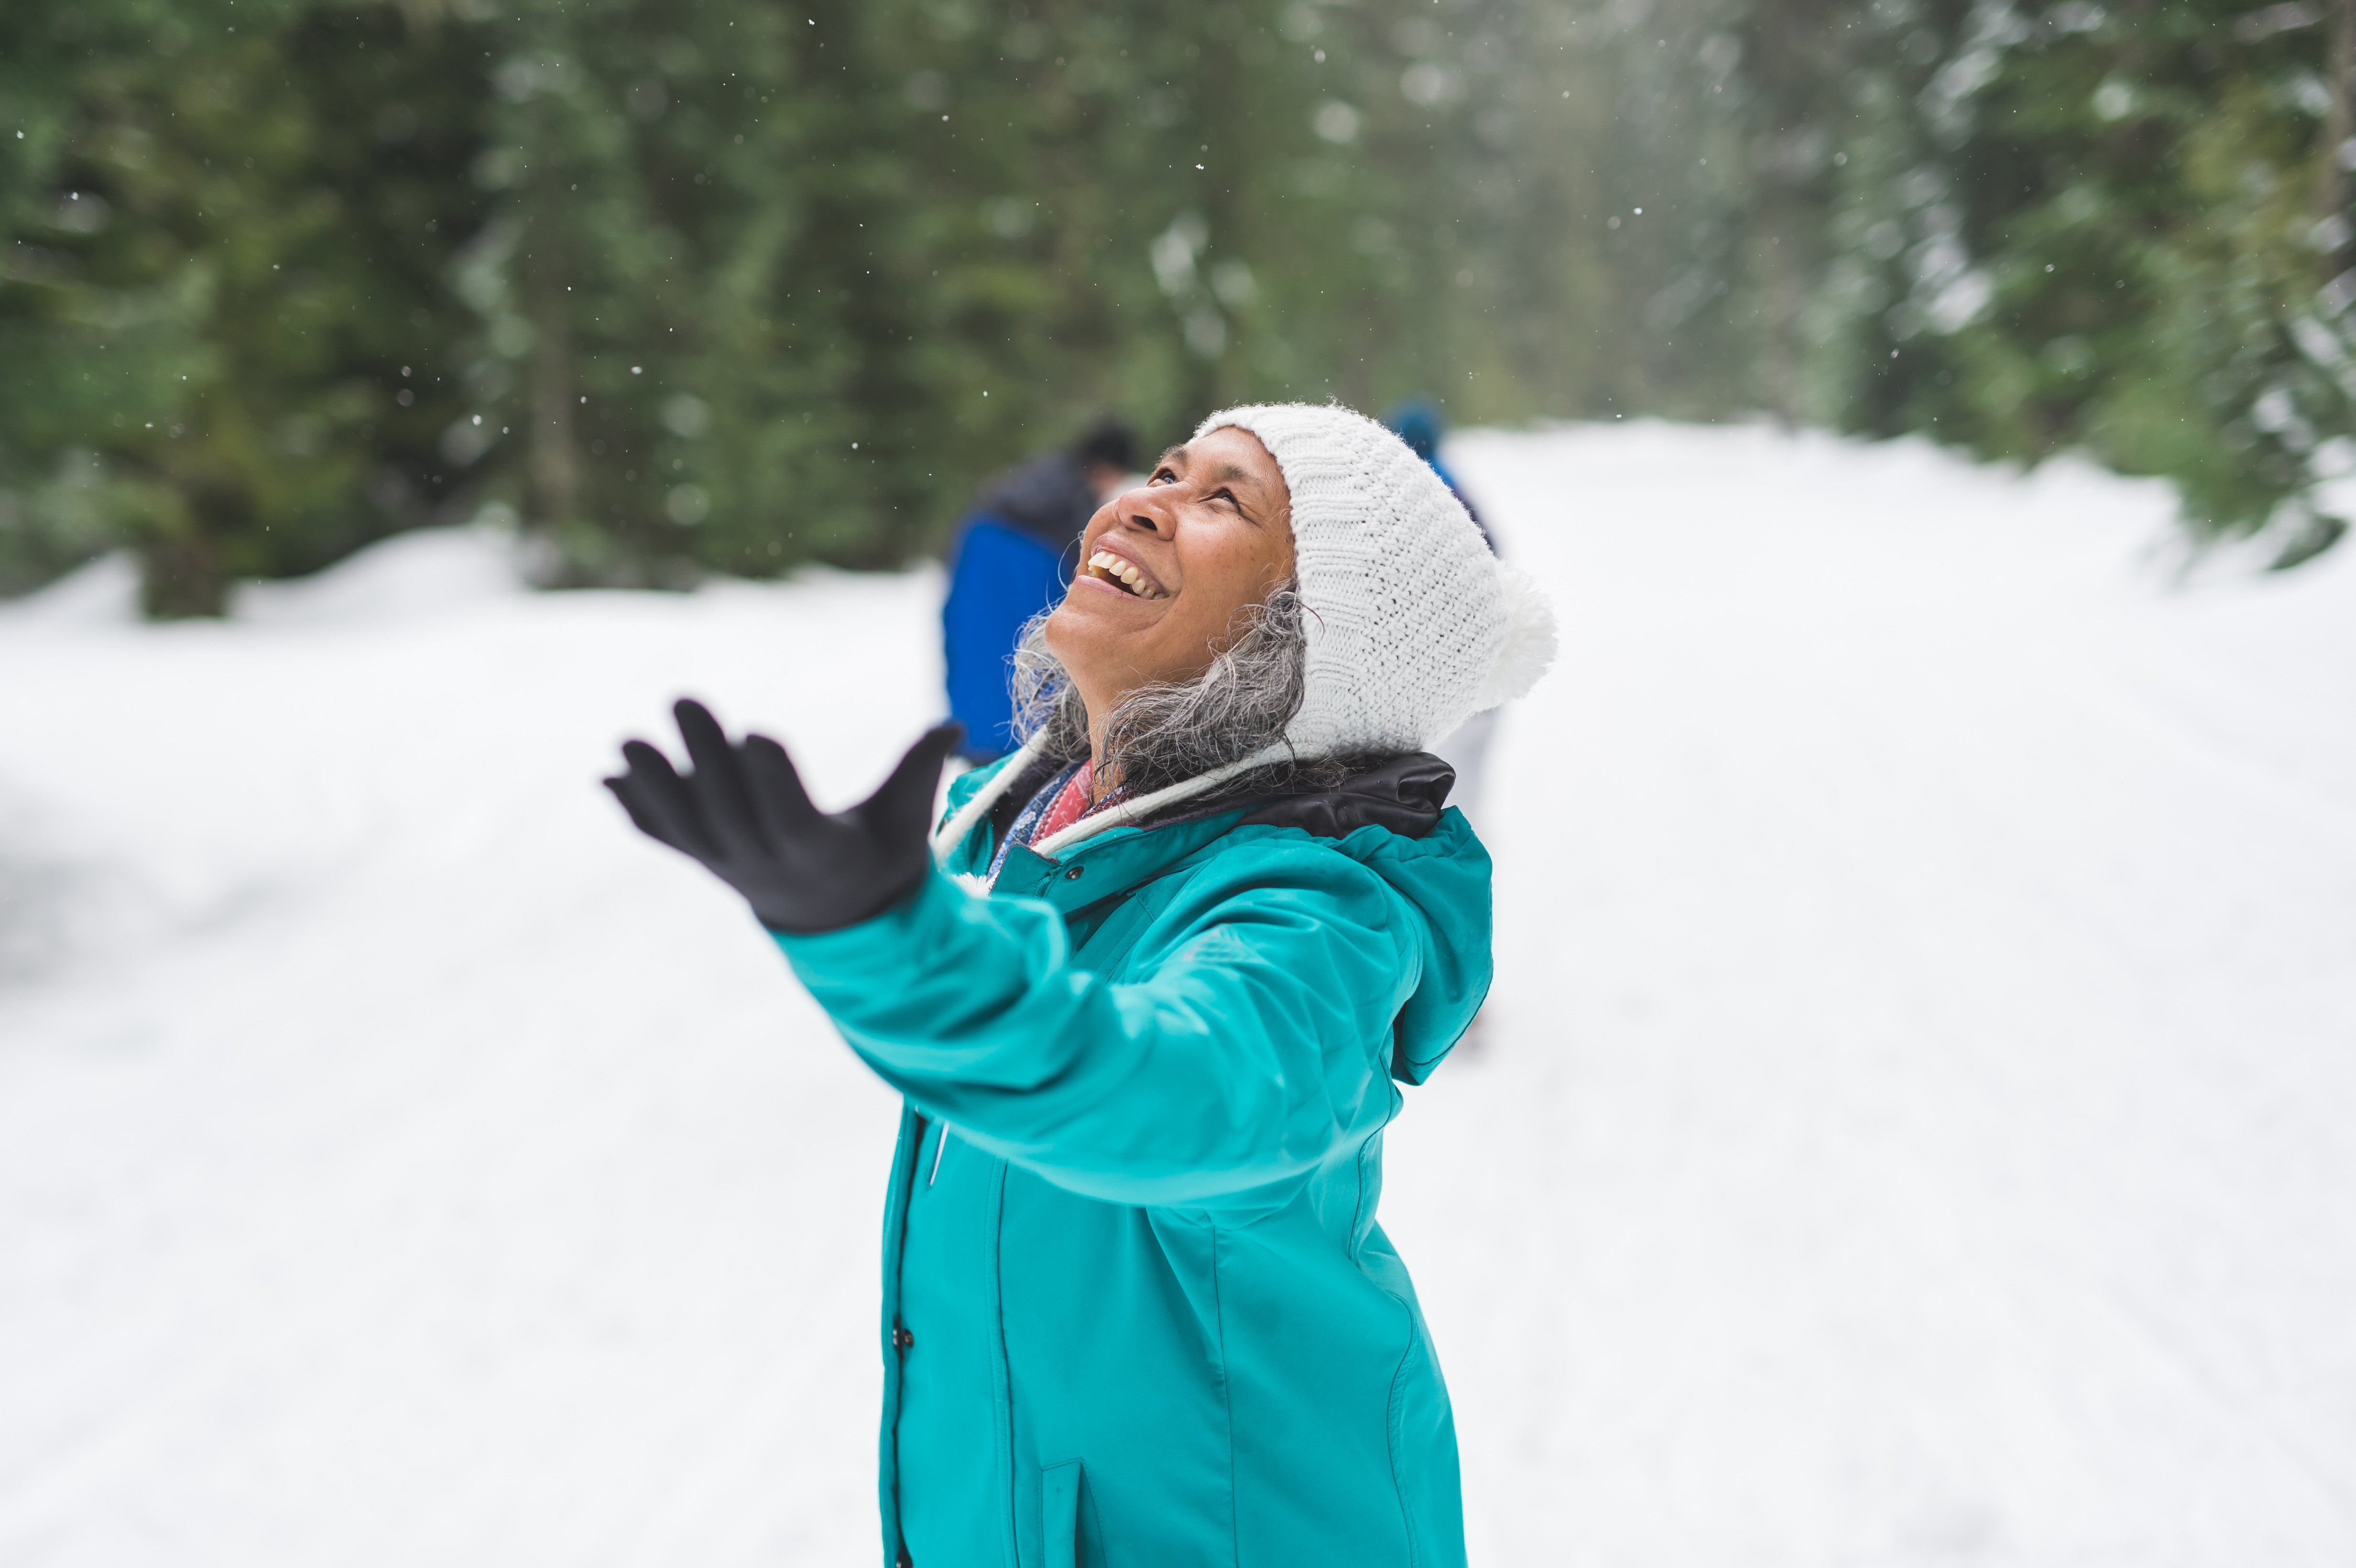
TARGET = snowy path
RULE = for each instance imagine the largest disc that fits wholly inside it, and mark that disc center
(1915, 1125)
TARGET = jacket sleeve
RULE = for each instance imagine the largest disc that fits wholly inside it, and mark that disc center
(1253, 1044)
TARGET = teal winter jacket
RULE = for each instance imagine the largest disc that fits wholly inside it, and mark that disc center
(1137, 1309)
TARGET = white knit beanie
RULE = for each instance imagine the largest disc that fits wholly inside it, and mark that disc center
(1413, 626)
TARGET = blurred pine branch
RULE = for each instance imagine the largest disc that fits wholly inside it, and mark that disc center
(733, 286)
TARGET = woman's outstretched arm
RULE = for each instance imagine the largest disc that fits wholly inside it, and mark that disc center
(1254, 1046)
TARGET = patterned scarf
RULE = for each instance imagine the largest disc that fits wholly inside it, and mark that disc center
(1061, 801)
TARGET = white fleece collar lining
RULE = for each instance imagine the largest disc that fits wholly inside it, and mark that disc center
(953, 832)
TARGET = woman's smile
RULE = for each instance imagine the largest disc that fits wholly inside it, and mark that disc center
(1116, 569)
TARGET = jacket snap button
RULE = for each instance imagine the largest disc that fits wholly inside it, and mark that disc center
(901, 1339)
(901, 1560)
(1074, 874)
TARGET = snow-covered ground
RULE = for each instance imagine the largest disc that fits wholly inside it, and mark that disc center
(1915, 1123)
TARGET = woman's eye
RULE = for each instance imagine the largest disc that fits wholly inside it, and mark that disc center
(1228, 496)
(1162, 477)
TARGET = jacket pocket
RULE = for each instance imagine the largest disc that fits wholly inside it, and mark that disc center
(1059, 1514)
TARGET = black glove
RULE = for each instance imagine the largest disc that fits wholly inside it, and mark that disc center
(744, 813)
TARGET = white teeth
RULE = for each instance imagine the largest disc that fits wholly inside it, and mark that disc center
(1118, 571)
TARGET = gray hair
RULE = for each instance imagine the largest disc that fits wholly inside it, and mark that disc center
(1163, 735)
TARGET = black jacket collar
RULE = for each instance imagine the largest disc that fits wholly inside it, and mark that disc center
(1405, 794)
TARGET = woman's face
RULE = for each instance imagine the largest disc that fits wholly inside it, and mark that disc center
(1167, 568)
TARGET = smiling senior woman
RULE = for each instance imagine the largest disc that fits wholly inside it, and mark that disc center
(1146, 997)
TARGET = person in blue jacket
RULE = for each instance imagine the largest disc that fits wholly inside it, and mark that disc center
(1012, 558)
(1150, 990)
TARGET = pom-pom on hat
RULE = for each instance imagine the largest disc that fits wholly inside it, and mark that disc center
(1413, 626)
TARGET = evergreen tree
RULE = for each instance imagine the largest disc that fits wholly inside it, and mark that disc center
(222, 351)
(2124, 231)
